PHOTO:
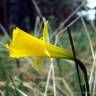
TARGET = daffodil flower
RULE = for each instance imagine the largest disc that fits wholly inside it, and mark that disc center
(27, 45)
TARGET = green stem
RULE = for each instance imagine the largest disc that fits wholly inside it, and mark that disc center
(74, 55)
(83, 68)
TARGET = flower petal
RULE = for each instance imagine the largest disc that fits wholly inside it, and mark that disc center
(37, 64)
(45, 31)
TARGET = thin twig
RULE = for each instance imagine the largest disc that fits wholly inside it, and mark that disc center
(49, 75)
(53, 75)
(87, 32)
(70, 16)
(94, 85)
(4, 31)
(64, 29)
(92, 51)
(36, 25)
(37, 9)
(67, 87)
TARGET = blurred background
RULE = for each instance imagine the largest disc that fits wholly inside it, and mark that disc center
(23, 13)
(17, 77)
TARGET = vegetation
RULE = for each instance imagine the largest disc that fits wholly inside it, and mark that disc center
(59, 78)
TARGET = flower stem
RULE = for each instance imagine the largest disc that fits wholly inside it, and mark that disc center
(83, 68)
(74, 54)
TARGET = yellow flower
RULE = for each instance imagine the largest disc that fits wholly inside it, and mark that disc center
(26, 45)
